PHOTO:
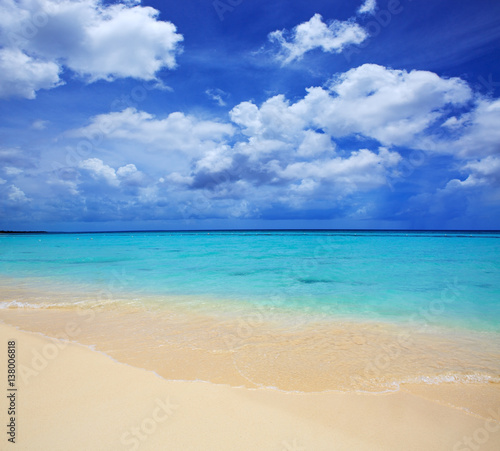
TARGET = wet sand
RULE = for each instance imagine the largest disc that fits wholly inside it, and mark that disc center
(76, 398)
(106, 375)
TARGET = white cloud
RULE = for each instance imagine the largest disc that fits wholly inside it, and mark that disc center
(130, 175)
(484, 172)
(16, 195)
(39, 124)
(10, 170)
(314, 34)
(315, 144)
(100, 170)
(291, 183)
(368, 7)
(487, 167)
(127, 175)
(481, 135)
(293, 144)
(278, 127)
(289, 155)
(276, 119)
(217, 95)
(95, 40)
(391, 106)
(454, 122)
(127, 171)
(363, 169)
(177, 179)
(2, 181)
(216, 160)
(476, 195)
(21, 75)
(283, 148)
(176, 132)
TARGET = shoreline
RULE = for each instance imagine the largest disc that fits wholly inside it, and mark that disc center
(47, 294)
(94, 402)
(273, 351)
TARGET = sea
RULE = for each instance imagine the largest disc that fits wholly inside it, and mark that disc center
(304, 283)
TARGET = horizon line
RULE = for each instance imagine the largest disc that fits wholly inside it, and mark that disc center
(247, 230)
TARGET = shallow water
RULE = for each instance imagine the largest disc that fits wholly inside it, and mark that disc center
(302, 310)
(442, 278)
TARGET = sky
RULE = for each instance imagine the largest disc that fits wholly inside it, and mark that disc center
(226, 114)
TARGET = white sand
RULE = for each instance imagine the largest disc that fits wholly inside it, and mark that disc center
(72, 398)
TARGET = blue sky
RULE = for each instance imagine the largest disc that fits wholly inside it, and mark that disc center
(201, 114)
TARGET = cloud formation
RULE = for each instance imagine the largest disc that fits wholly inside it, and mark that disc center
(97, 41)
(391, 106)
(330, 153)
(217, 95)
(21, 75)
(16, 195)
(368, 7)
(478, 130)
(316, 34)
(176, 132)
(125, 175)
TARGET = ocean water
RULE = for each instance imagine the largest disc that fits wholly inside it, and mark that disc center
(294, 310)
(449, 279)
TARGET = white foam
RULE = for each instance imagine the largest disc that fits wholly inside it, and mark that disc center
(471, 378)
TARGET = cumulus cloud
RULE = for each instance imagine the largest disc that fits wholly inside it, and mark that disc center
(125, 175)
(336, 149)
(278, 129)
(21, 75)
(99, 170)
(322, 184)
(97, 41)
(286, 152)
(479, 131)
(481, 172)
(316, 34)
(283, 152)
(391, 106)
(16, 195)
(487, 167)
(176, 132)
(362, 169)
(368, 7)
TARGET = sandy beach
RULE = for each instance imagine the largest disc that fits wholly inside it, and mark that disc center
(233, 225)
(71, 397)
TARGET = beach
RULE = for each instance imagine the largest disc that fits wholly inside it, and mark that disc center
(237, 225)
(84, 398)
(121, 344)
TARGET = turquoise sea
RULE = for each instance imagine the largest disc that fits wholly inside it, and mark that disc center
(443, 279)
